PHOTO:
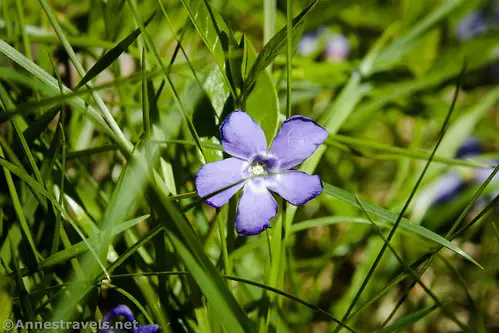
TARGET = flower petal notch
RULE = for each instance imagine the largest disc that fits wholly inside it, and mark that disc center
(296, 140)
(259, 171)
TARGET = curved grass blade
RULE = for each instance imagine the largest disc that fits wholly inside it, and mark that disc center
(40, 124)
(52, 83)
(408, 320)
(392, 218)
(113, 54)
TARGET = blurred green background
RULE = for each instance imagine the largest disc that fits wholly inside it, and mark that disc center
(97, 198)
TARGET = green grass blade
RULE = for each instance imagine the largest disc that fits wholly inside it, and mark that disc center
(392, 218)
(408, 320)
(112, 55)
(214, 32)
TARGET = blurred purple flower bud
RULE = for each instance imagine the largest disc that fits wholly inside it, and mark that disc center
(308, 44)
(470, 147)
(470, 26)
(337, 48)
(448, 186)
(482, 174)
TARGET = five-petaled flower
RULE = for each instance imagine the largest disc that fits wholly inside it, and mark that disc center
(125, 312)
(258, 170)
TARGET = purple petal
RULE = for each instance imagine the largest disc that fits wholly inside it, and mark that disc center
(337, 48)
(481, 174)
(469, 148)
(447, 187)
(471, 25)
(295, 187)
(153, 328)
(297, 139)
(256, 207)
(242, 136)
(120, 310)
(307, 45)
(219, 176)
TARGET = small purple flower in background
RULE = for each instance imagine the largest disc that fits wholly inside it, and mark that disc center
(482, 174)
(258, 170)
(471, 25)
(337, 48)
(447, 187)
(124, 311)
(308, 44)
(469, 148)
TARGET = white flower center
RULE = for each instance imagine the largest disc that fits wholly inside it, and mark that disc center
(257, 169)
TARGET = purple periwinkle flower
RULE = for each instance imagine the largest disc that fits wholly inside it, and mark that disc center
(337, 48)
(308, 44)
(125, 312)
(259, 170)
(471, 25)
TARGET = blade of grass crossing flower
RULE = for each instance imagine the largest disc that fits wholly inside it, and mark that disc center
(392, 152)
(407, 203)
(281, 242)
(112, 55)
